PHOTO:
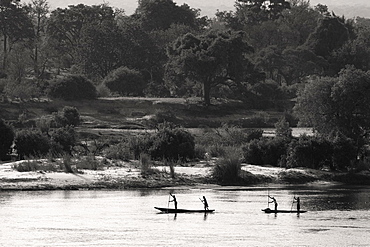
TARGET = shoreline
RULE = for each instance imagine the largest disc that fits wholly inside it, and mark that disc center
(128, 176)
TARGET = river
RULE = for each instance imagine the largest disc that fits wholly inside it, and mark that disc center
(337, 216)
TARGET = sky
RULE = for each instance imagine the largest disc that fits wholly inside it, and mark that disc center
(347, 8)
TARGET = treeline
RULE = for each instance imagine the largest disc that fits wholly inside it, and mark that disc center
(259, 53)
(268, 54)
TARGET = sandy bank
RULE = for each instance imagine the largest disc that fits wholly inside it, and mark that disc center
(127, 175)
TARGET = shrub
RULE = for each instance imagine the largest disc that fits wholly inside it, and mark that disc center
(63, 140)
(310, 151)
(31, 143)
(71, 115)
(145, 164)
(119, 151)
(344, 152)
(103, 90)
(139, 144)
(6, 140)
(88, 162)
(227, 169)
(125, 81)
(73, 87)
(283, 129)
(266, 151)
(172, 144)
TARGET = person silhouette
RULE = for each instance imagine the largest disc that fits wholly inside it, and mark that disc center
(205, 203)
(298, 200)
(274, 201)
(174, 200)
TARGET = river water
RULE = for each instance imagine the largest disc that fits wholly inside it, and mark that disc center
(337, 216)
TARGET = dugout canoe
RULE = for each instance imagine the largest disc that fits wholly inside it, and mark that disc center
(179, 210)
(272, 211)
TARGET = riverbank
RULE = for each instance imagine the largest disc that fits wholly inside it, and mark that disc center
(125, 175)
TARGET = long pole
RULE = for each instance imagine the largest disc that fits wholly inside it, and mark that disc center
(268, 196)
(291, 208)
(168, 204)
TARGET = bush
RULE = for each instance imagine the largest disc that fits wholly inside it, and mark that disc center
(310, 151)
(119, 151)
(6, 140)
(266, 151)
(172, 144)
(145, 164)
(344, 152)
(73, 87)
(125, 81)
(227, 169)
(283, 129)
(63, 140)
(71, 115)
(31, 143)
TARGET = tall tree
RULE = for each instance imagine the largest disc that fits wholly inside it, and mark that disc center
(39, 11)
(338, 104)
(331, 33)
(100, 49)
(15, 25)
(210, 59)
(66, 25)
(161, 14)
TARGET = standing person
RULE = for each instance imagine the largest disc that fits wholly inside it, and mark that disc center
(174, 200)
(205, 203)
(298, 203)
(274, 201)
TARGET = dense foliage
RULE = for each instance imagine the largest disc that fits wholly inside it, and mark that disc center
(125, 81)
(6, 140)
(31, 143)
(266, 54)
(172, 144)
(73, 87)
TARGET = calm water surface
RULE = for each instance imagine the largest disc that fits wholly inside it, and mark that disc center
(337, 216)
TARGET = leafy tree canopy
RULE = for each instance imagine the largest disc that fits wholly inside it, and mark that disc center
(338, 104)
(161, 14)
(210, 59)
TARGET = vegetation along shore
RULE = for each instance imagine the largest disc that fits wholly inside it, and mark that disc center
(92, 98)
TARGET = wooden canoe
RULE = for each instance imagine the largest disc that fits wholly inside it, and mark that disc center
(272, 211)
(179, 210)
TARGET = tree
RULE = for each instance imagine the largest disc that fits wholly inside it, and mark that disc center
(338, 104)
(14, 25)
(356, 51)
(142, 50)
(38, 12)
(100, 50)
(161, 14)
(300, 62)
(210, 59)
(6, 140)
(65, 27)
(256, 11)
(330, 34)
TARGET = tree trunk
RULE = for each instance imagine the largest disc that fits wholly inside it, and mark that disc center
(5, 51)
(206, 93)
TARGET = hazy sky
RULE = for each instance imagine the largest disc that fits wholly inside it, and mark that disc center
(209, 7)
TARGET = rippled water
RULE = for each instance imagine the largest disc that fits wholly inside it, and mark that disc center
(337, 216)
